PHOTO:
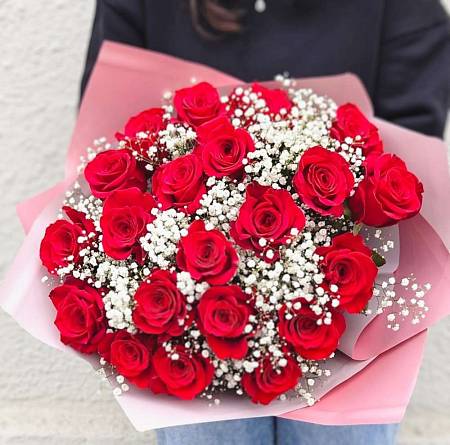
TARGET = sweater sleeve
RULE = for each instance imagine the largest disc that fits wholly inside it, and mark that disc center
(413, 83)
(117, 20)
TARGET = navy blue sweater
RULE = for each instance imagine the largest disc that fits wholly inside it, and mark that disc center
(399, 48)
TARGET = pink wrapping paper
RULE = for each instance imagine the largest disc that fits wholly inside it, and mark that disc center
(127, 80)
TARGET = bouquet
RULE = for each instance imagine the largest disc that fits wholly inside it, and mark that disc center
(235, 244)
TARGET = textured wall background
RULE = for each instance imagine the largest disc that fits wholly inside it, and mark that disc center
(47, 397)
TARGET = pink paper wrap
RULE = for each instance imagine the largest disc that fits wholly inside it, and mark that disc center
(375, 373)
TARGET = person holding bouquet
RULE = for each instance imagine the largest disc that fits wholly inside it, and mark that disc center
(400, 49)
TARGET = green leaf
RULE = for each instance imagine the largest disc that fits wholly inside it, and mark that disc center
(357, 228)
(347, 212)
(378, 259)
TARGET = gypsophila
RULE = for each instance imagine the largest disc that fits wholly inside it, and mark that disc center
(225, 236)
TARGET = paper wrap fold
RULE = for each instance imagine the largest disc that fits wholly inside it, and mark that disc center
(373, 377)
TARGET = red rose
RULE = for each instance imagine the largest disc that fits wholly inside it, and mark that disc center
(222, 148)
(182, 373)
(348, 264)
(223, 314)
(198, 104)
(130, 355)
(389, 192)
(80, 219)
(80, 315)
(114, 170)
(125, 216)
(61, 240)
(59, 244)
(265, 220)
(207, 255)
(311, 340)
(160, 306)
(150, 121)
(323, 181)
(180, 183)
(350, 122)
(266, 382)
(276, 99)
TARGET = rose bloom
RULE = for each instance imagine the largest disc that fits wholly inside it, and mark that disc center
(125, 216)
(311, 340)
(350, 122)
(389, 192)
(223, 314)
(114, 170)
(130, 355)
(180, 183)
(266, 383)
(150, 121)
(348, 264)
(185, 376)
(266, 214)
(198, 104)
(276, 99)
(80, 316)
(60, 242)
(160, 306)
(207, 255)
(222, 148)
(323, 181)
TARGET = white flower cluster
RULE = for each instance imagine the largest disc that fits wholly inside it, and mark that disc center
(401, 300)
(191, 288)
(177, 139)
(251, 107)
(162, 237)
(279, 144)
(100, 144)
(122, 280)
(89, 205)
(296, 274)
(221, 203)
